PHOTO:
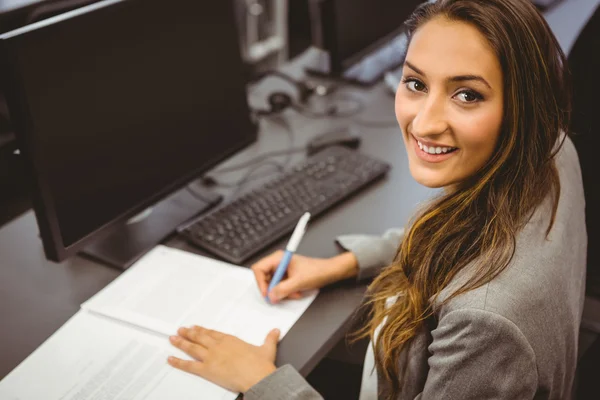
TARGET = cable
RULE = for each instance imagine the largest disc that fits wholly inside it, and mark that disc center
(333, 110)
(290, 150)
(285, 124)
(248, 177)
(260, 161)
(260, 158)
(376, 124)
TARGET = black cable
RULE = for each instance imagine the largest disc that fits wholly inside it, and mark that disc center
(258, 159)
(261, 161)
(376, 124)
(288, 128)
(332, 110)
(283, 122)
(248, 177)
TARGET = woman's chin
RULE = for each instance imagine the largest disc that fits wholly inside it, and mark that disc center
(431, 180)
(430, 184)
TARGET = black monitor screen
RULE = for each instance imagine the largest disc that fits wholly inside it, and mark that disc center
(124, 101)
(361, 23)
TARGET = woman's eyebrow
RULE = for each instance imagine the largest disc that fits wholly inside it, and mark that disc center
(462, 78)
(417, 70)
(458, 78)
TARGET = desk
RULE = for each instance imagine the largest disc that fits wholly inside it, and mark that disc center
(38, 296)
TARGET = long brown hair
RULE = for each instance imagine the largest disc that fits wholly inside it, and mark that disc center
(477, 222)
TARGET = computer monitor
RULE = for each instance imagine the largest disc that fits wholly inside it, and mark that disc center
(116, 106)
(360, 39)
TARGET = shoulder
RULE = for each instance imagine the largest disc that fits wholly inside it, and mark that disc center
(482, 329)
(530, 313)
(477, 354)
(545, 277)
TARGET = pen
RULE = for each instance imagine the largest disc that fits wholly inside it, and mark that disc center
(290, 249)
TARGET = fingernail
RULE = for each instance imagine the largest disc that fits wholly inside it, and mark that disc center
(173, 338)
(277, 331)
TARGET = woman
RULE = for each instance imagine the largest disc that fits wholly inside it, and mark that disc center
(483, 297)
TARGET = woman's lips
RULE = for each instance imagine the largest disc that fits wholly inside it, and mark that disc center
(433, 158)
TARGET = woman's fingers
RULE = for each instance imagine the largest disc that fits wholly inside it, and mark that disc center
(216, 336)
(263, 270)
(193, 367)
(195, 350)
(286, 289)
(262, 279)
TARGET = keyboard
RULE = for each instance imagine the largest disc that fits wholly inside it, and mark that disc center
(258, 218)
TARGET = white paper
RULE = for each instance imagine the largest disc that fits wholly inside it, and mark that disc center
(94, 358)
(169, 288)
(115, 347)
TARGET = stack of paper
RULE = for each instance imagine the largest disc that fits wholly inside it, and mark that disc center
(117, 345)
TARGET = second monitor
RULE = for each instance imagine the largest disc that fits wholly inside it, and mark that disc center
(359, 39)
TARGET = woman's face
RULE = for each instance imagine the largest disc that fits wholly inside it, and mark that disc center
(450, 102)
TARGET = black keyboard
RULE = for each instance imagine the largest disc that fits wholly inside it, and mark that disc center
(255, 220)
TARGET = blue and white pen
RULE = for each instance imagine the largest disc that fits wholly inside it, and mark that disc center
(290, 249)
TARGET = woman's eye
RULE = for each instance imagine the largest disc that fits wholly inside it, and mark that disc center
(414, 85)
(468, 96)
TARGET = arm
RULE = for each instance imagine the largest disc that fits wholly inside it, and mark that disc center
(284, 383)
(477, 354)
(372, 252)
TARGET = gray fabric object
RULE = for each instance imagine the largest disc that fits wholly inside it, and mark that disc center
(513, 338)
(372, 252)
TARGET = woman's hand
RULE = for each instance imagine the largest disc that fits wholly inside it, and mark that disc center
(224, 359)
(303, 273)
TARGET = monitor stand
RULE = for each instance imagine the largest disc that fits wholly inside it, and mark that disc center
(144, 231)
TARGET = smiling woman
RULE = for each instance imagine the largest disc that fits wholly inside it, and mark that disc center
(451, 111)
(482, 297)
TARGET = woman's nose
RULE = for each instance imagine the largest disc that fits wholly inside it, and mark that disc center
(430, 118)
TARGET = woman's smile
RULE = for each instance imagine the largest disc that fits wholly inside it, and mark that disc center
(432, 152)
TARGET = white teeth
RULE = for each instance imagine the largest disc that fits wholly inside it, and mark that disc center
(434, 150)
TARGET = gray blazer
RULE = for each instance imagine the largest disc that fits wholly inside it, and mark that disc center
(513, 338)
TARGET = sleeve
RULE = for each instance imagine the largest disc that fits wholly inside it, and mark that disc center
(372, 252)
(477, 354)
(284, 383)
